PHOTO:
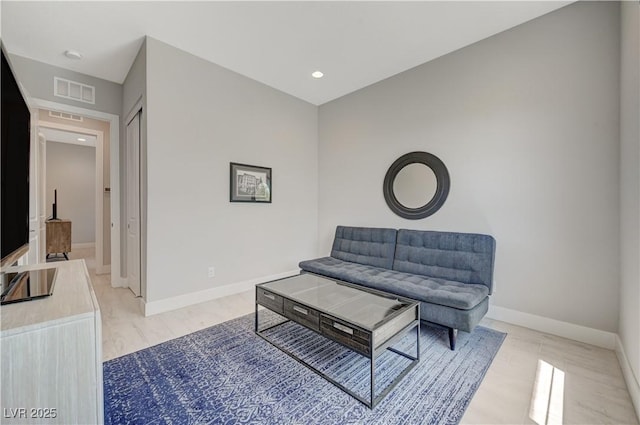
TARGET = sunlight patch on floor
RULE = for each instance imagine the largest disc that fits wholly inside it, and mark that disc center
(548, 395)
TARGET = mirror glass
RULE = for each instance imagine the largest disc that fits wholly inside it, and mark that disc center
(415, 185)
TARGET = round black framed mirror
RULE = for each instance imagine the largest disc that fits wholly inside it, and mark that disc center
(416, 185)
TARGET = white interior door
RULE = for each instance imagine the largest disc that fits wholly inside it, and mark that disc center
(133, 204)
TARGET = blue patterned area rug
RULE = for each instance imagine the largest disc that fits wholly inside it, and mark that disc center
(228, 375)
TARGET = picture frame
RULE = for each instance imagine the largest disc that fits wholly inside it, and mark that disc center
(249, 183)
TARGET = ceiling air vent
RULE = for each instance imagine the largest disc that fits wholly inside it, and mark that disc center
(74, 90)
(65, 116)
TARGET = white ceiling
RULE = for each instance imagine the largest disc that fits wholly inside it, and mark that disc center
(279, 44)
(62, 136)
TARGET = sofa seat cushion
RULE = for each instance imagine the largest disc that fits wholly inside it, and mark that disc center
(341, 270)
(449, 293)
(436, 291)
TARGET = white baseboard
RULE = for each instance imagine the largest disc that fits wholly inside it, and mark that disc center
(555, 327)
(82, 245)
(174, 303)
(632, 381)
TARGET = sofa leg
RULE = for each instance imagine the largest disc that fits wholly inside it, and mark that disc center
(453, 333)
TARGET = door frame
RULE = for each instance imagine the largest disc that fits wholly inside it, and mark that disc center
(114, 154)
(36, 222)
(136, 112)
(41, 195)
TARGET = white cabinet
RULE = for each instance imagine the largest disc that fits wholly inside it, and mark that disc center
(51, 353)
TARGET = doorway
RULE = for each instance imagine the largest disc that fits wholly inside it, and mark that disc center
(70, 174)
(108, 179)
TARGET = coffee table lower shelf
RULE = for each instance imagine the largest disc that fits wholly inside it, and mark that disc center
(332, 330)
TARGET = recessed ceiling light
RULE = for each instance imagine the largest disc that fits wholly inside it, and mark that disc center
(317, 74)
(73, 54)
(80, 139)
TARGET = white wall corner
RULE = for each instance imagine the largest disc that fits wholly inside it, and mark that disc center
(555, 327)
(180, 301)
(632, 381)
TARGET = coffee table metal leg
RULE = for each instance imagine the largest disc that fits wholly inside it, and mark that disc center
(373, 375)
(373, 399)
(256, 304)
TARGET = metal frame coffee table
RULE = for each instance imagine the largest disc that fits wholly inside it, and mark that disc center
(364, 320)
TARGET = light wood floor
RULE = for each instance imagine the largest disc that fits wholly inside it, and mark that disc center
(535, 377)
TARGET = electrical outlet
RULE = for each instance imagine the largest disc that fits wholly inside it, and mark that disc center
(212, 272)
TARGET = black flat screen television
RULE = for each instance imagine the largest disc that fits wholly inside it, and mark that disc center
(14, 166)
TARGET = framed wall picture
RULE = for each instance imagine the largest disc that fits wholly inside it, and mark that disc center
(250, 183)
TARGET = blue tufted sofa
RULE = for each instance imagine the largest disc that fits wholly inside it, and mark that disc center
(451, 274)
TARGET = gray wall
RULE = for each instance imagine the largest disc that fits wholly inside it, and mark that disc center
(37, 78)
(527, 123)
(201, 117)
(71, 169)
(629, 329)
(134, 87)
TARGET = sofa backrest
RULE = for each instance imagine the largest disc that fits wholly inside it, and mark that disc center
(365, 245)
(463, 257)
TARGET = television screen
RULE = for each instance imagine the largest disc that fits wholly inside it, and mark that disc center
(14, 164)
